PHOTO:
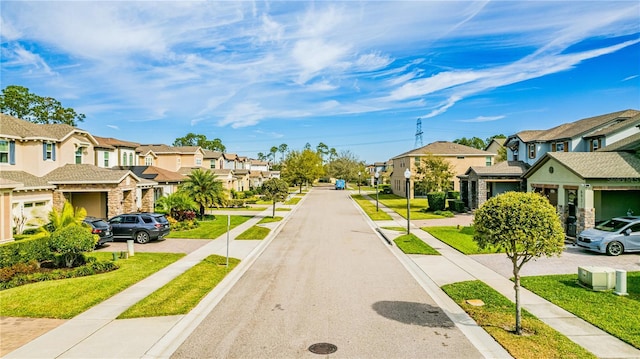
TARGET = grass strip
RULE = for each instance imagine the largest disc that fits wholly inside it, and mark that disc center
(460, 239)
(410, 244)
(184, 292)
(397, 229)
(497, 317)
(64, 299)
(255, 232)
(293, 200)
(270, 220)
(370, 209)
(617, 315)
(399, 205)
(210, 229)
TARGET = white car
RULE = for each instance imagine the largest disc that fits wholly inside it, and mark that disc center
(615, 236)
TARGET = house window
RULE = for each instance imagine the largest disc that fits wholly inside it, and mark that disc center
(198, 161)
(595, 144)
(212, 164)
(531, 149)
(560, 147)
(124, 159)
(106, 159)
(79, 155)
(487, 161)
(49, 151)
(460, 157)
(6, 153)
(515, 155)
(131, 159)
(148, 161)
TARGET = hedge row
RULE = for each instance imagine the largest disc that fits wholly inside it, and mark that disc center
(25, 251)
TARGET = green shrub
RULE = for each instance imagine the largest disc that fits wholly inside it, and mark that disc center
(91, 268)
(448, 214)
(453, 195)
(35, 248)
(6, 273)
(458, 206)
(436, 201)
(236, 203)
(70, 242)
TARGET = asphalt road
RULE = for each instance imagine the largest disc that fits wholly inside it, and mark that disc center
(327, 278)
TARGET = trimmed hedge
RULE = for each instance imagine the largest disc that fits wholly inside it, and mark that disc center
(25, 251)
(458, 206)
(436, 201)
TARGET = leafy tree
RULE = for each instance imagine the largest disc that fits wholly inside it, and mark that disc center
(489, 139)
(276, 190)
(433, 174)
(474, 142)
(346, 166)
(71, 241)
(502, 154)
(307, 146)
(192, 139)
(302, 167)
(322, 150)
(283, 148)
(205, 189)
(525, 225)
(17, 101)
(332, 154)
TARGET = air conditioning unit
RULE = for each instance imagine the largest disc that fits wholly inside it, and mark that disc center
(597, 278)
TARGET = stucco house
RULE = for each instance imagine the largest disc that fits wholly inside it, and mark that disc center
(112, 152)
(460, 157)
(171, 158)
(479, 183)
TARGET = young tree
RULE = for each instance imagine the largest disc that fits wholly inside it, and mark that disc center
(17, 101)
(192, 139)
(433, 174)
(302, 167)
(205, 189)
(71, 241)
(276, 190)
(346, 166)
(525, 225)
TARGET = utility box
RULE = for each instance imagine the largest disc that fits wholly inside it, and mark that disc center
(597, 278)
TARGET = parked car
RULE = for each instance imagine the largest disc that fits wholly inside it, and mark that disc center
(615, 236)
(101, 228)
(340, 184)
(141, 227)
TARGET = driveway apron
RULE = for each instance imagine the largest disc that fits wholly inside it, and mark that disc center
(327, 278)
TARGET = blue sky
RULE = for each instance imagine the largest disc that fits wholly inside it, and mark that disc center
(353, 75)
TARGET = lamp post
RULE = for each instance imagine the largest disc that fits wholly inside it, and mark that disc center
(377, 175)
(359, 173)
(407, 176)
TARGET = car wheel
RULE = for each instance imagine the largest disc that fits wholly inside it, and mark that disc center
(615, 248)
(142, 237)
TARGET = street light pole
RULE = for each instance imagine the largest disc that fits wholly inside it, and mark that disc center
(359, 182)
(407, 176)
(377, 175)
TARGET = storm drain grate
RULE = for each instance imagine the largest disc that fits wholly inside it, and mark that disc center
(323, 348)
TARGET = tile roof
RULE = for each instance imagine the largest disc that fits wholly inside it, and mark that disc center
(84, 173)
(631, 143)
(504, 168)
(109, 142)
(17, 128)
(444, 148)
(165, 149)
(595, 164)
(25, 181)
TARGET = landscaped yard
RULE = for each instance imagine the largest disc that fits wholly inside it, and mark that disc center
(210, 229)
(184, 292)
(497, 317)
(399, 205)
(617, 315)
(460, 239)
(410, 244)
(69, 297)
(370, 209)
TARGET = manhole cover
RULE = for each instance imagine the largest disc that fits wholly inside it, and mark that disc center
(323, 348)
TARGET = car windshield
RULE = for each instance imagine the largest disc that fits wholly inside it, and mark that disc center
(611, 225)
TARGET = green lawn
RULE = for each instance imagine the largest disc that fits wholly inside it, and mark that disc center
(460, 239)
(270, 219)
(255, 232)
(293, 200)
(399, 205)
(370, 209)
(617, 315)
(497, 317)
(397, 229)
(210, 229)
(410, 244)
(184, 292)
(69, 297)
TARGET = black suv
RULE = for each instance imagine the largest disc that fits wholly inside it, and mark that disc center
(141, 227)
(101, 228)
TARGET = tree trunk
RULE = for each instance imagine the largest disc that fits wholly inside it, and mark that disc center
(202, 212)
(516, 287)
(300, 187)
(273, 213)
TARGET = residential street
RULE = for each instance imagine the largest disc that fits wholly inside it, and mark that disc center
(327, 278)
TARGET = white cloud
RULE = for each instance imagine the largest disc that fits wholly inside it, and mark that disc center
(484, 119)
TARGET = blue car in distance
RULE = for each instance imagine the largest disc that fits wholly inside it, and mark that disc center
(613, 237)
(340, 184)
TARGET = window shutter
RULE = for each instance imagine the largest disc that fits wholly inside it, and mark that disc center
(553, 147)
(53, 151)
(44, 151)
(566, 146)
(12, 152)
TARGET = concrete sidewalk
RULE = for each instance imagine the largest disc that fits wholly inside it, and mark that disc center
(97, 334)
(453, 266)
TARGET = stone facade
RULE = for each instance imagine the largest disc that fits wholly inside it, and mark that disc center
(586, 218)
(148, 203)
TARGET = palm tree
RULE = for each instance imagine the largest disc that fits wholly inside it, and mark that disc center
(273, 152)
(261, 156)
(283, 148)
(205, 189)
(66, 217)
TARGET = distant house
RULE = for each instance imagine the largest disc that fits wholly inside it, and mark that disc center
(112, 152)
(171, 158)
(478, 184)
(460, 157)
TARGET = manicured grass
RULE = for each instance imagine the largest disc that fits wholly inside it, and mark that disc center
(67, 298)
(370, 209)
(255, 232)
(398, 229)
(399, 205)
(184, 292)
(617, 315)
(248, 208)
(283, 209)
(410, 244)
(497, 317)
(270, 219)
(210, 229)
(460, 239)
(293, 200)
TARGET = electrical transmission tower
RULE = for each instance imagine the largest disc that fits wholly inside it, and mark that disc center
(418, 134)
